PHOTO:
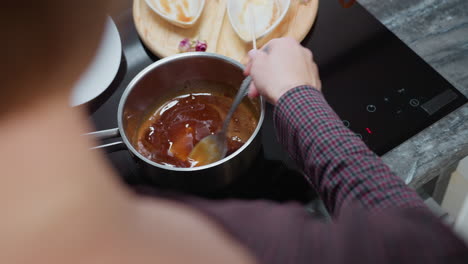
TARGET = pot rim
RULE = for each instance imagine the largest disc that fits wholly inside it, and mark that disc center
(159, 63)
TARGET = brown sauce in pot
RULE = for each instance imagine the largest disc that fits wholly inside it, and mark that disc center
(169, 134)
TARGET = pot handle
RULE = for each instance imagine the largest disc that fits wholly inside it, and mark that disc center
(108, 134)
(105, 134)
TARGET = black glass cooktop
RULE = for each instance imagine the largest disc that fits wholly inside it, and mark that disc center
(381, 89)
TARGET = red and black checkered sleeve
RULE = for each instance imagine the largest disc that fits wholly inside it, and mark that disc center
(336, 162)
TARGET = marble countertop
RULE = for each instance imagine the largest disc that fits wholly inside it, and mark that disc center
(437, 31)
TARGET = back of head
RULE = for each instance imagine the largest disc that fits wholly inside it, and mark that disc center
(45, 45)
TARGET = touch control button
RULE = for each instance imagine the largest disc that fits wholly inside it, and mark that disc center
(371, 108)
(346, 123)
(414, 102)
(359, 136)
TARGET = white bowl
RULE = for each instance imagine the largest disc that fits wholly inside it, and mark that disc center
(263, 11)
(195, 8)
(102, 71)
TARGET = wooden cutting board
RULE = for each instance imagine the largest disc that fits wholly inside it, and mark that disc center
(163, 38)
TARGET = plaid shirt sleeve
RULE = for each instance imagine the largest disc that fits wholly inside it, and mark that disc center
(336, 162)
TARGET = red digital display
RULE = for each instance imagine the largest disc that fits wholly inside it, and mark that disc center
(368, 130)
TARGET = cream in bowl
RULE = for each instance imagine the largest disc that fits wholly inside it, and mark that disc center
(260, 16)
(182, 13)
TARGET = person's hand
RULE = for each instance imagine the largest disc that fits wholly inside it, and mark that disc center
(280, 66)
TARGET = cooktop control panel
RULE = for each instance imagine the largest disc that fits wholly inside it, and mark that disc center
(392, 111)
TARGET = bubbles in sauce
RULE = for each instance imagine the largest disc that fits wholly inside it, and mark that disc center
(170, 133)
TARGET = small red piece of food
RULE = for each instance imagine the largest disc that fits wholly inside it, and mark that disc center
(185, 45)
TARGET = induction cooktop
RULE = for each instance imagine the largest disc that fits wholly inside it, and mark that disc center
(382, 90)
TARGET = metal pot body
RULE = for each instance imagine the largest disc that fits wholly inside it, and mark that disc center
(160, 82)
(201, 181)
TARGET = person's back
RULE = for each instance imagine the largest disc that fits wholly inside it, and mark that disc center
(62, 203)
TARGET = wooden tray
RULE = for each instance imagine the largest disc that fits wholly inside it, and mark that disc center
(163, 38)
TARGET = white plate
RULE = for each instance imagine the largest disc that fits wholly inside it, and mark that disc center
(101, 72)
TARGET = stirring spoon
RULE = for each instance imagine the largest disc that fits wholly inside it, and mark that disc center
(214, 147)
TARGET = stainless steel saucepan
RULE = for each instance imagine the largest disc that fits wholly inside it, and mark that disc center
(160, 81)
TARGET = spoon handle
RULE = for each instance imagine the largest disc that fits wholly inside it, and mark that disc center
(243, 90)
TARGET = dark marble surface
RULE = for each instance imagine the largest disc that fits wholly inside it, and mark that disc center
(438, 31)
